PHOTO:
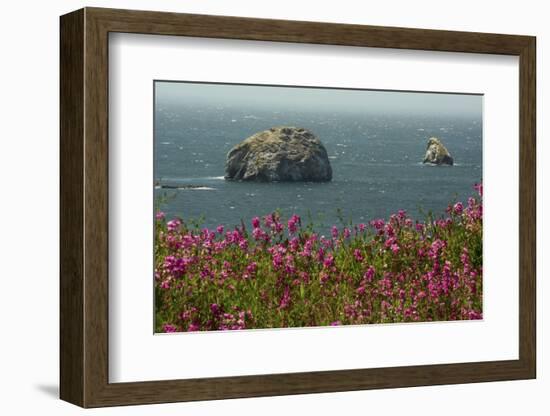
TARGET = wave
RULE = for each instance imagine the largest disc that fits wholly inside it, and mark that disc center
(199, 188)
(187, 180)
(186, 187)
(431, 165)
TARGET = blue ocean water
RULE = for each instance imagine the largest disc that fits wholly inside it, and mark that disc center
(376, 162)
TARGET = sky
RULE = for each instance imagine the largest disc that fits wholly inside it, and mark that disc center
(318, 99)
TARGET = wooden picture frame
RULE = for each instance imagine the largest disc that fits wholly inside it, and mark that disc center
(84, 207)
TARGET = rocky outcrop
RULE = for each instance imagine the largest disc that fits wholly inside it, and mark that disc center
(279, 154)
(437, 154)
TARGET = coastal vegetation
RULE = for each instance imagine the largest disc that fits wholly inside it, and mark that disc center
(270, 272)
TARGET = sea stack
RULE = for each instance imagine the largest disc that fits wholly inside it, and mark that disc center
(437, 153)
(280, 154)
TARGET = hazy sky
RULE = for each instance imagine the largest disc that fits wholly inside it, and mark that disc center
(318, 99)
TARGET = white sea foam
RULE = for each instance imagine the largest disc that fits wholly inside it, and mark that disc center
(198, 188)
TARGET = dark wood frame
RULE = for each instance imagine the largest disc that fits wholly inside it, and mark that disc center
(84, 208)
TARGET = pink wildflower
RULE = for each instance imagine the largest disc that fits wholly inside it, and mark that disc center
(193, 327)
(255, 222)
(169, 328)
(458, 208)
(479, 188)
(293, 223)
(173, 225)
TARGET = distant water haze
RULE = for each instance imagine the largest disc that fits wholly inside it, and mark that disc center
(319, 99)
(375, 140)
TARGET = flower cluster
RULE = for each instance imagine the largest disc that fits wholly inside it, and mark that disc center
(275, 273)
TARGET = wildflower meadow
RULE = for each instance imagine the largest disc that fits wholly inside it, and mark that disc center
(272, 272)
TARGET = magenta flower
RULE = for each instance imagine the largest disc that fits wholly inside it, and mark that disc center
(243, 244)
(160, 215)
(479, 188)
(268, 220)
(255, 222)
(285, 299)
(169, 328)
(389, 242)
(474, 315)
(369, 274)
(193, 327)
(328, 261)
(326, 242)
(294, 244)
(252, 267)
(277, 260)
(259, 234)
(293, 223)
(320, 254)
(378, 224)
(173, 225)
(290, 268)
(458, 208)
(278, 227)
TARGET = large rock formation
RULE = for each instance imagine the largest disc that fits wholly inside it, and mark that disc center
(279, 154)
(437, 154)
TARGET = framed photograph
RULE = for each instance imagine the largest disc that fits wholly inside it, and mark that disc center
(255, 207)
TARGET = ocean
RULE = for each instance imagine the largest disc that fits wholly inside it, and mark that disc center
(376, 160)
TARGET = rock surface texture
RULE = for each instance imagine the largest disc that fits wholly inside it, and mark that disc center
(280, 154)
(437, 154)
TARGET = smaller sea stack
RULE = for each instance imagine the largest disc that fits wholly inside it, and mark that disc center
(437, 153)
